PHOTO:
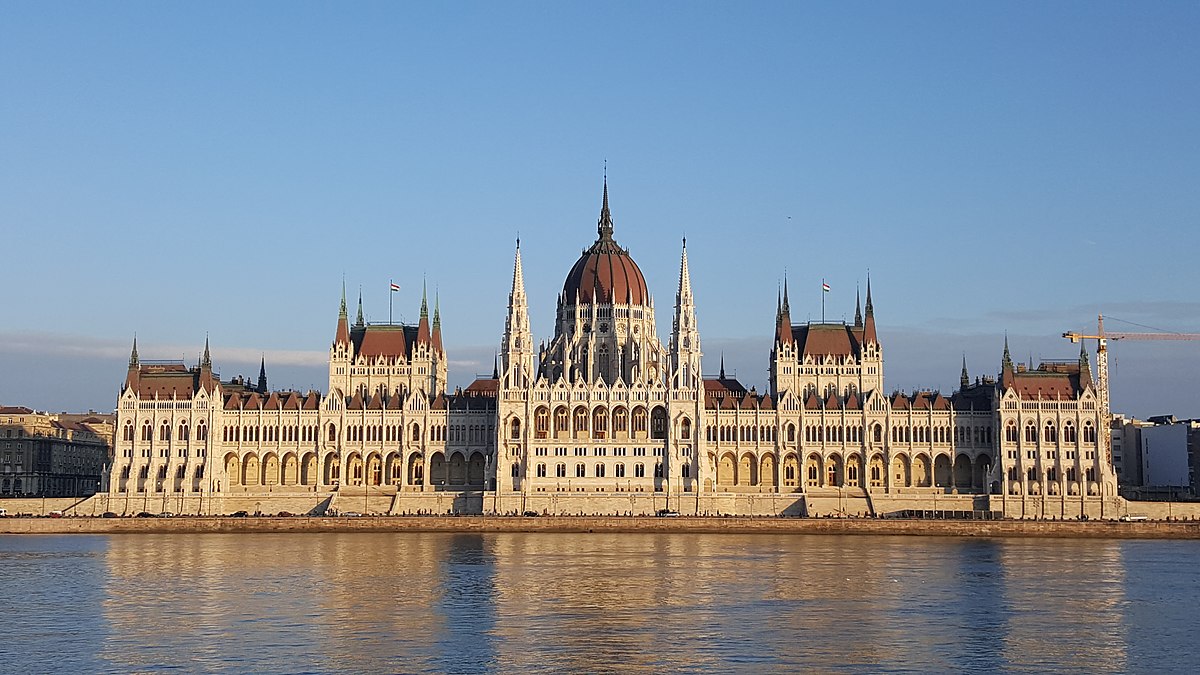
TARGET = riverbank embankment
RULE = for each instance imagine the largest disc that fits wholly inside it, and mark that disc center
(585, 524)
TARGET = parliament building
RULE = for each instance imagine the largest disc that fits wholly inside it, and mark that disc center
(605, 418)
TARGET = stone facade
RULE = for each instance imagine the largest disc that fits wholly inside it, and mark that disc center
(604, 418)
(52, 455)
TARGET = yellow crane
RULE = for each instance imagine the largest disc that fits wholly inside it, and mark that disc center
(1102, 339)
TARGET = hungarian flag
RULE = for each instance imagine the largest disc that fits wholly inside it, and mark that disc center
(824, 287)
(395, 287)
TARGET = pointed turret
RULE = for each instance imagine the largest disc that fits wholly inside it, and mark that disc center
(495, 366)
(359, 320)
(783, 328)
(423, 326)
(685, 334)
(722, 373)
(869, 335)
(206, 375)
(131, 378)
(604, 226)
(343, 325)
(1007, 370)
(262, 375)
(206, 360)
(1085, 367)
(964, 380)
(437, 322)
(858, 320)
(516, 351)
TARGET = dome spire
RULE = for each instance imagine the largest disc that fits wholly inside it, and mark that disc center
(604, 227)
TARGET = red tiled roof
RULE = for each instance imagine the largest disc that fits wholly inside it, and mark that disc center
(823, 339)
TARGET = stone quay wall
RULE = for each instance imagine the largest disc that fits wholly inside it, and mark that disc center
(608, 524)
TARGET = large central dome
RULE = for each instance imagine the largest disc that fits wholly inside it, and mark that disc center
(606, 273)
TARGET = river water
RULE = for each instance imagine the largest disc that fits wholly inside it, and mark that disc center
(517, 603)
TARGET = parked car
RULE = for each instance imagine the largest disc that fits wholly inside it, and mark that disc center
(108, 514)
(351, 514)
(1130, 518)
(284, 514)
(531, 514)
(55, 514)
(144, 514)
(239, 514)
(667, 513)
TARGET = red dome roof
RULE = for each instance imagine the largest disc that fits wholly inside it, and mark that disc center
(606, 273)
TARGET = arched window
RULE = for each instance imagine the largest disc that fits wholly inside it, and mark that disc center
(791, 433)
(541, 422)
(685, 428)
(332, 432)
(1069, 435)
(639, 419)
(878, 433)
(1031, 433)
(516, 429)
(183, 431)
(561, 420)
(1051, 433)
(658, 470)
(560, 470)
(686, 470)
(1010, 432)
(541, 470)
(416, 432)
(599, 470)
(128, 431)
(164, 431)
(1089, 432)
(516, 470)
(658, 423)
(580, 470)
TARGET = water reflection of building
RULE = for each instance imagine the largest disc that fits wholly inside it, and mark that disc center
(604, 417)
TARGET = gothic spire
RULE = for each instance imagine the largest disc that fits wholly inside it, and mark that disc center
(423, 336)
(133, 355)
(496, 367)
(342, 310)
(262, 375)
(342, 337)
(786, 307)
(858, 321)
(870, 305)
(604, 227)
(424, 300)
(964, 380)
(1007, 362)
(359, 321)
(206, 360)
(722, 375)
(869, 334)
(437, 321)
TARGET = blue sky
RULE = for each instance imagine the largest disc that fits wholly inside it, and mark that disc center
(180, 170)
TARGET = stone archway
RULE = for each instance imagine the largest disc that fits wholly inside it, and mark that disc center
(901, 471)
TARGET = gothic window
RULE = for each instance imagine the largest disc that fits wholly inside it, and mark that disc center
(1051, 433)
(1010, 432)
(416, 432)
(1069, 435)
(599, 422)
(619, 470)
(1031, 433)
(620, 421)
(791, 433)
(332, 432)
(685, 428)
(516, 429)
(658, 470)
(541, 470)
(561, 420)
(599, 470)
(687, 470)
(581, 421)
(128, 432)
(639, 420)
(164, 432)
(147, 431)
(639, 470)
(560, 470)
(183, 431)
(580, 470)
(878, 433)
(541, 422)
(516, 470)
(1089, 432)
(658, 423)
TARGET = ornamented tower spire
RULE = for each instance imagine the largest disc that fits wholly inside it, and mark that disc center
(964, 380)
(685, 336)
(206, 360)
(423, 337)
(858, 320)
(437, 323)
(133, 355)
(131, 378)
(604, 226)
(262, 376)
(516, 352)
(359, 320)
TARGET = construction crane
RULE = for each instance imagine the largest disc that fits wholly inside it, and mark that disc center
(1102, 339)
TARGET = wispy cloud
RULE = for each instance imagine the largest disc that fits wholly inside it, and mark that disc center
(38, 344)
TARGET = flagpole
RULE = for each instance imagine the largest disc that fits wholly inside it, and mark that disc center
(822, 299)
(391, 284)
